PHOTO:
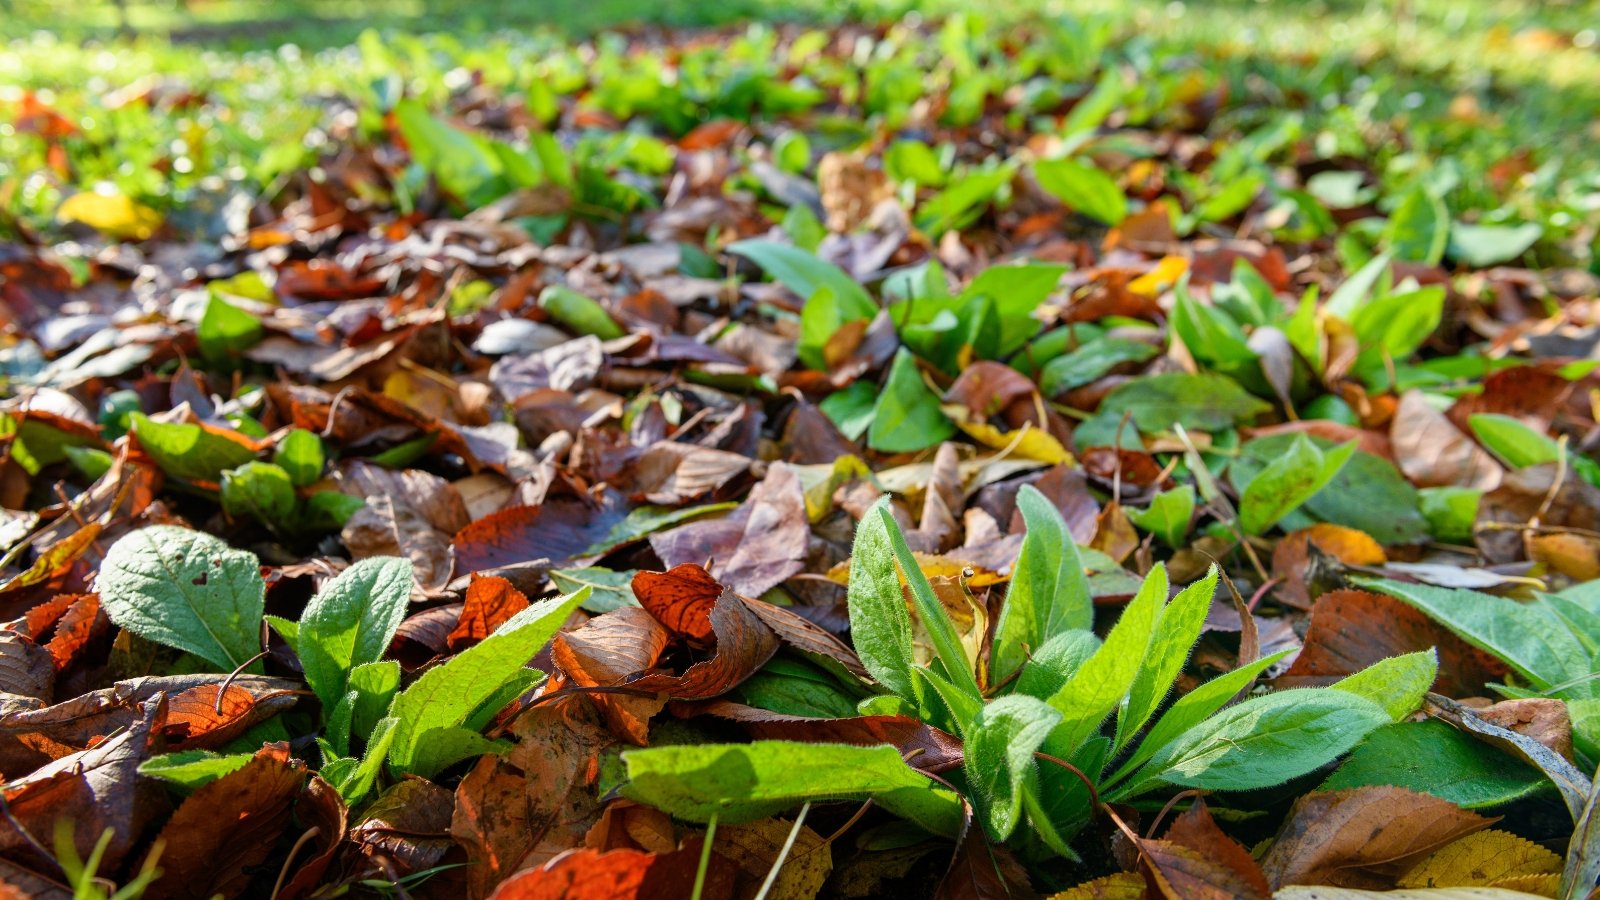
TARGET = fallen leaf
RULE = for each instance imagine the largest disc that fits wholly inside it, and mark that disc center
(1483, 859)
(606, 651)
(1433, 452)
(1365, 837)
(490, 601)
(386, 527)
(228, 827)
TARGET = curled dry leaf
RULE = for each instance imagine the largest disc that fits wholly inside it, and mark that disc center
(743, 646)
(407, 827)
(1363, 838)
(606, 651)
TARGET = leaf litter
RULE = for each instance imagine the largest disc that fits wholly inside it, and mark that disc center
(1020, 472)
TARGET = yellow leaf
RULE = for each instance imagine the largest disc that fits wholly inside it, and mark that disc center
(1298, 892)
(1121, 886)
(1483, 859)
(1030, 442)
(1164, 275)
(114, 214)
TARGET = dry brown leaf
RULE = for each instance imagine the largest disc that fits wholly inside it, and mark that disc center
(1363, 837)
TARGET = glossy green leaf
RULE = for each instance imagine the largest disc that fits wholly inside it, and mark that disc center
(1084, 188)
(1168, 515)
(907, 417)
(578, 312)
(260, 490)
(300, 454)
(226, 330)
(1430, 757)
(1289, 481)
(188, 451)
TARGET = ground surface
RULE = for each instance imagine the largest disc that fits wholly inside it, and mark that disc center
(1145, 450)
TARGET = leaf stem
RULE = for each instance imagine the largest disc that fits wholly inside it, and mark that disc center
(705, 859)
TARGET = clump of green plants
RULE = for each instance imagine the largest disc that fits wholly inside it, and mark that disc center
(1052, 719)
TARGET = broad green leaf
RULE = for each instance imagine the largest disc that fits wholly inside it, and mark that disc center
(820, 319)
(943, 704)
(1526, 637)
(806, 275)
(1451, 512)
(1369, 494)
(463, 165)
(329, 510)
(1168, 515)
(795, 688)
(914, 161)
(1210, 334)
(743, 782)
(1177, 631)
(1195, 707)
(1392, 326)
(880, 623)
(300, 454)
(187, 590)
(435, 705)
(1049, 592)
(1432, 758)
(963, 201)
(1017, 292)
(1513, 441)
(1263, 741)
(1201, 402)
(225, 330)
(258, 489)
(1481, 246)
(1050, 666)
(189, 451)
(582, 314)
(907, 417)
(609, 589)
(998, 757)
(852, 409)
(1229, 200)
(1103, 682)
(1289, 481)
(1084, 188)
(1078, 367)
(1419, 227)
(190, 769)
(351, 621)
(1397, 684)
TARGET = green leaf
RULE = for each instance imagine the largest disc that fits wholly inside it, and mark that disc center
(1480, 246)
(1289, 481)
(1515, 443)
(188, 451)
(187, 590)
(1395, 325)
(1195, 707)
(431, 710)
(300, 454)
(1201, 402)
(1084, 188)
(1168, 515)
(744, 782)
(258, 489)
(998, 757)
(806, 275)
(1210, 334)
(962, 202)
(1430, 757)
(1263, 741)
(852, 409)
(329, 510)
(1053, 664)
(225, 330)
(1369, 494)
(190, 769)
(1017, 292)
(1177, 631)
(359, 782)
(1356, 290)
(880, 623)
(648, 519)
(1049, 592)
(1419, 227)
(463, 165)
(947, 649)
(1090, 361)
(351, 621)
(1103, 682)
(580, 313)
(608, 589)
(1526, 637)
(907, 417)
(1397, 684)
(1451, 512)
